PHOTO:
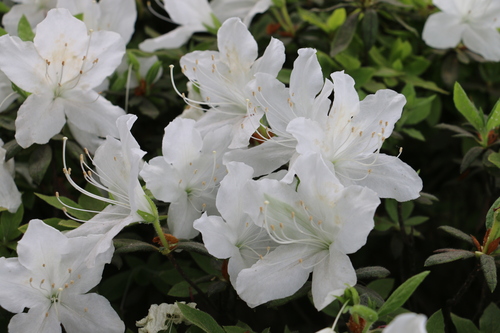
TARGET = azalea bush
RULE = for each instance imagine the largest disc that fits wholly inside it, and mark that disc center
(249, 166)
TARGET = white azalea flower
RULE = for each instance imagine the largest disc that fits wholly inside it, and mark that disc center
(117, 165)
(281, 105)
(60, 68)
(474, 22)
(408, 323)
(351, 136)
(234, 235)
(223, 76)
(50, 278)
(188, 174)
(111, 15)
(10, 197)
(34, 10)
(198, 16)
(316, 227)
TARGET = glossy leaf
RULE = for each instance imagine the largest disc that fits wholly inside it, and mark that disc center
(201, 319)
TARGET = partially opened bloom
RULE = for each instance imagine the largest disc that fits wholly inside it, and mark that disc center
(200, 15)
(351, 136)
(316, 227)
(51, 279)
(34, 10)
(407, 323)
(234, 235)
(111, 15)
(117, 166)
(222, 78)
(188, 174)
(473, 22)
(60, 68)
(10, 197)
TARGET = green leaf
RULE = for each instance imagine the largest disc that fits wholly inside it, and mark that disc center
(313, 19)
(489, 270)
(464, 325)
(416, 220)
(373, 272)
(236, 329)
(418, 82)
(448, 256)
(4, 8)
(458, 234)
(12, 148)
(24, 30)
(414, 133)
(9, 224)
(490, 215)
(153, 72)
(435, 324)
(470, 157)
(419, 110)
(495, 159)
(54, 202)
(336, 19)
(369, 28)
(348, 62)
(466, 108)
(193, 247)
(201, 319)
(132, 245)
(401, 295)
(39, 162)
(184, 289)
(365, 312)
(2, 31)
(344, 35)
(490, 320)
(391, 207)
(494, 117)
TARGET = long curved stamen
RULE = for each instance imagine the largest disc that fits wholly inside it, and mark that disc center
(6, 98)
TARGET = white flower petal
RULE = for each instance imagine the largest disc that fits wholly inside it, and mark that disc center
(443, 30)
(408, 323)
(36, 321)
(218, 237)
(485, 41)
(188, 142)
(237, 47)
(306, 79)
(171, 40)
(331, 277)
(272, 60)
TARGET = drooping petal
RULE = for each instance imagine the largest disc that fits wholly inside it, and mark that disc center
(162, 180)
(36, 320)
(89, 313)
(171, 40)
(181, 215)
(91, 112)
(443, 30)
(279, 274)
(218, 237)
(387, 175)
(10, 197)
(331, 276)
(485, 41)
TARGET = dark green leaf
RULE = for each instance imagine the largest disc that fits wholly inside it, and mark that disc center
(401, 295)
(416, 220)
(54, 202)
(489, 270)
(24, 30)
(184, 289)
(12, 148)
(495, 159)
(414, 133)
(193, 247)
(456, 129)
(466, 108)
(470, 157)
(391, 207)
(459, 234)
(382, 287)
(153, 72)
(448, 256)
(236, 329)
(490, 320)
(464, 325)
(9, 224)
(369, 28)
(435, 324)
(39, 162)
(418, 82)
(344, 35)
(201, 319)
(132, 245)
(490, 214)
(373, 272)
